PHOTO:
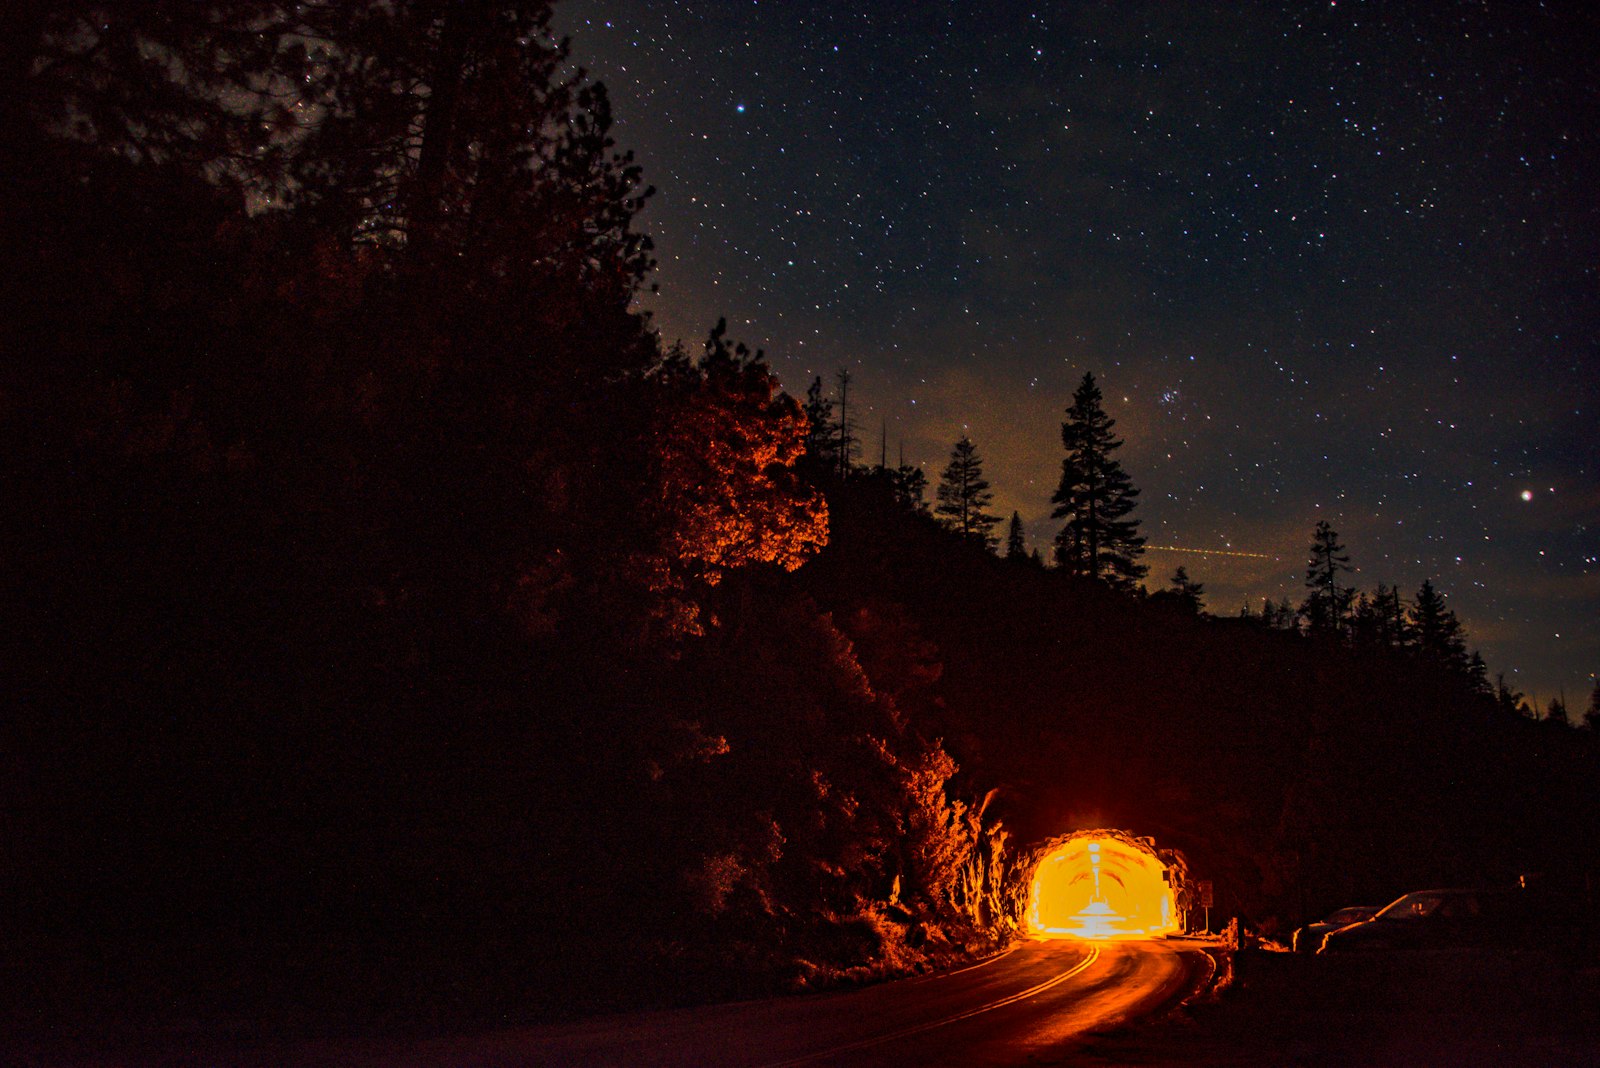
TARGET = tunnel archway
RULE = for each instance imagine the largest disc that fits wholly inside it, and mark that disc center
(1101, 884)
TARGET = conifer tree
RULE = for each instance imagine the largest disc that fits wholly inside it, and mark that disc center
(1326, 607)
(1478, 674)
(963, 495)
(459, 132)
(1364, 620)
(911, 487)
(1100, 539)
(1555, 713)
(820, 440)
(1439, 636)
(1591, 716)
(1390, 626)
(1187, 591)
(1016, 547)
(1508, 698)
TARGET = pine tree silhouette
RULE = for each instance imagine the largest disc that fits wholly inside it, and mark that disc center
(963, 495)
(1095, 497)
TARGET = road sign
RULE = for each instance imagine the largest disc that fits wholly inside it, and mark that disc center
(1205, 894)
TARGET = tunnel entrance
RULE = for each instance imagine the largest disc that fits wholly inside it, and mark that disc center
(1101, 885)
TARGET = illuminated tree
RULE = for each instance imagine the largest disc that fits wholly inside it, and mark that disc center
(1328, 605)
(1096, 497)
(963, 494)
(1016, 547)
(726, 442)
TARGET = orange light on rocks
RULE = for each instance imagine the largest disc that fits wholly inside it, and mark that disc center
(1097, 886)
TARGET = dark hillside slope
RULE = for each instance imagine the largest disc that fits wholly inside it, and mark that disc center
(1294, 772)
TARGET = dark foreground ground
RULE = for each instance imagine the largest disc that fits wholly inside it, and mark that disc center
(1437, 1007)
(1443, 1007)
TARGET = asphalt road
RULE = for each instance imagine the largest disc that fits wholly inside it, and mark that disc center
(1024, 1007)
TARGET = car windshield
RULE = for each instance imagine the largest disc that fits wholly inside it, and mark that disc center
(1412, 907)
(1352, 915)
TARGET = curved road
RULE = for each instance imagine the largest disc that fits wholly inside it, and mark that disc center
(1012, 1009)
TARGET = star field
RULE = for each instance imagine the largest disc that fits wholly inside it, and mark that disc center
(1336, 260)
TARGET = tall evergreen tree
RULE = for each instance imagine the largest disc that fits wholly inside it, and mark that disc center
(1478, 675)
(1016, 546)
(1389, 615)
(1591, 716)
(1440, 639)
(820, 441)
(1100, 539)
(963, 495)
(1326, 607)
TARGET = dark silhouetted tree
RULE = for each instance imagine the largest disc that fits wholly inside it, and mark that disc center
(1440, 640)
(1591, 715)
(162, 81)
(1380, 620)
(1100, 539)
(964, 494)
(1187, 591)
(1327, 606)
(1478, 675)
(911, 487)
(1509, 699)
(846, 445)
(1016, 546)
(821, 446)
(1279, 615)
(457, 128)
(1555, 713)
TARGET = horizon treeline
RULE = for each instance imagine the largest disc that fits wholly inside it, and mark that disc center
(1100, 539)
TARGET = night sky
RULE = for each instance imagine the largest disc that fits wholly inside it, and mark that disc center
(1327, 261)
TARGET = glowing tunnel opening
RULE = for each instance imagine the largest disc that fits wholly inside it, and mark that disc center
(1101, 885)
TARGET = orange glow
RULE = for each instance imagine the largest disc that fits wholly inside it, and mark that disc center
(1100, 885)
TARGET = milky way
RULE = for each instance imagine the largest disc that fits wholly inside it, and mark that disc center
(1328, 261)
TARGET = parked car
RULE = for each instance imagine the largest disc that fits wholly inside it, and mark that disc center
(1440, 918)
(1308, 939)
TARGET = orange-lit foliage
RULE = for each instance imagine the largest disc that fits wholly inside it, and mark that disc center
(1101, 885)
(726, 443)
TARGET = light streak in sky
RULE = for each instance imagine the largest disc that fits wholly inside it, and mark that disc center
(1209, 552)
